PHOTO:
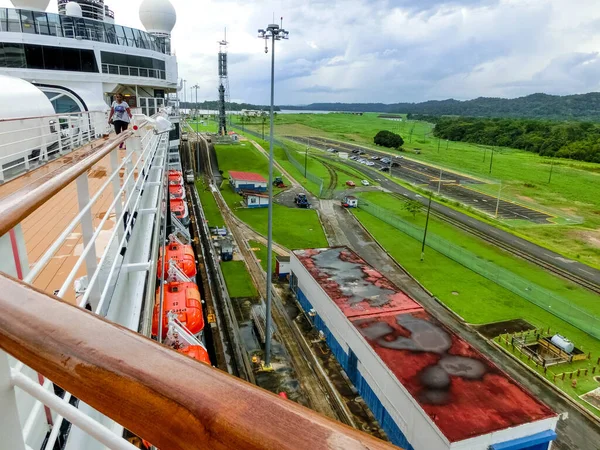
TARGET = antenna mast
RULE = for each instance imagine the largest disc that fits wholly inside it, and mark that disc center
(223, 85)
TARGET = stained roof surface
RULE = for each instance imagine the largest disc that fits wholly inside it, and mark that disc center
(463, 392)
(247, 176)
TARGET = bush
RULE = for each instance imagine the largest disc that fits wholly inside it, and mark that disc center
(388, 139)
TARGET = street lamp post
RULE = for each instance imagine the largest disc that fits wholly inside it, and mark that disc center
(274, 33)
(551, 167)
(492, 159)
(196, 86)
(426, 226)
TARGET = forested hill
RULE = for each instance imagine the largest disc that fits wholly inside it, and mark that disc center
(569, 107)
(214, 105)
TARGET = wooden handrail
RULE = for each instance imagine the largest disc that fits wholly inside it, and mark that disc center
(165, 397)
(20, 204)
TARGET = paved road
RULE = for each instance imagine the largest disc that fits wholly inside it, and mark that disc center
(578, 432)
(450, 184)
(576, 268)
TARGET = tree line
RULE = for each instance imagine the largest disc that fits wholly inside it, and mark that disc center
(574, 140)
(541, 106)
(229, 106)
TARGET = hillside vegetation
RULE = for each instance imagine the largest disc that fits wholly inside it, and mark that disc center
(541, 106)
(574, 140)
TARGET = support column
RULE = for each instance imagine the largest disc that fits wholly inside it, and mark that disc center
(11, 429)
(87, 228)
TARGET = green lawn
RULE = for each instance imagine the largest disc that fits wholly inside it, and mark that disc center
(210, 126)
(490, 253)
(238, 280)
(260, 251)
(573, 190)
(292, 227)
(209, 205)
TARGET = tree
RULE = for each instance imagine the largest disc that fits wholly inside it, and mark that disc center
(388, 139)
(413, 207)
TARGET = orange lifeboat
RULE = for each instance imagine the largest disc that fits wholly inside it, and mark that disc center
(179, 208)
(183, 255)
(183, 298)
(175, 177)
(176, 191)
(197, 352)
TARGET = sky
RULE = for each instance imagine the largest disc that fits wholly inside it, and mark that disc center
(386, 51)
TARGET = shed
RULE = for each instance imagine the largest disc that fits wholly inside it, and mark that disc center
(428, 388)
(247, 181)
(282, 266)
(255, 199)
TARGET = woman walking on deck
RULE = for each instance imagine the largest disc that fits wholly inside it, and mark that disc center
(120, 115)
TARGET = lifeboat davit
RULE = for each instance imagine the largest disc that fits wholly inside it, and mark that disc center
(180, 209)
(183, 298)
(175, 177)
(197, 352)
(183, 255)
(176, 191)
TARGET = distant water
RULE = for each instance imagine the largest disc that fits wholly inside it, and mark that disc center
(293, 111)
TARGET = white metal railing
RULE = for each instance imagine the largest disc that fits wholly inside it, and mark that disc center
(25, 143)
(137, 182)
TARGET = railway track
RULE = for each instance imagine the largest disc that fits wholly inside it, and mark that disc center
(515, 251)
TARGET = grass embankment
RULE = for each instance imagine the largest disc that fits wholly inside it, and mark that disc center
(573, 189)
(209, 205)
(209, 126)
(476, 299)
(292, 227)
(260, 251)
(238, 280)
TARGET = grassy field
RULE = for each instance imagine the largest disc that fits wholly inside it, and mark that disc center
(306, 231)
(490, 253)
(260, 251)
(209, 205)
(238, 280)
(573, 189)
(208, 127)
(476, 299)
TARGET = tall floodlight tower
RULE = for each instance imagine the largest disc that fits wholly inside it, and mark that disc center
(223, 86)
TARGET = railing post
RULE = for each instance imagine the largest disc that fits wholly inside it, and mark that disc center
(10, 427)
(116, 183)
(87, 228)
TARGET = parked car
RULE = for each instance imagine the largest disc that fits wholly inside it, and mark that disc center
(355, 151)
(354, 158)
(350, 183)
(374, 158)
(330, 150)
(335, 150)
(385, 160)
(365, 183)
(395, 164)
(370, 163)
(385, 169)
(361, 152)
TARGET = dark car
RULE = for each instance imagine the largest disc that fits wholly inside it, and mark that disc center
(385, 169)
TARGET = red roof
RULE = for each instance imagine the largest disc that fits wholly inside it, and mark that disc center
(462, 392)
(247, 176)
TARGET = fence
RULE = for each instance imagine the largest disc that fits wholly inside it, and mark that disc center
(290, 157)
(539, 296)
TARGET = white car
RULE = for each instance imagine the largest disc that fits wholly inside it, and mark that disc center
(365, 183)
(370, 163)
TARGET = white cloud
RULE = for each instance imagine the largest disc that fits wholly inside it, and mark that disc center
(388, 50)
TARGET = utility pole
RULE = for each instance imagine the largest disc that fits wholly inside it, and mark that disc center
(438, 144)
(447, 144)
(440, 181)
(426, 226)
(305, 160)
(196, 86)
(274, 33)
(492, 160)
(551, 167)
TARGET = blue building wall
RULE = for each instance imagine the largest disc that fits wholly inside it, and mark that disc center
(349, 362)
(247, 187)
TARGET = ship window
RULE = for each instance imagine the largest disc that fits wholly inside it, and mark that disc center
(88, 61)
(13, 21)
(27, 21)
(71, 59)
(53, 58)
(111, 34)
(120, 35)
(34, 56)
(130, 37)
(42, 23)
(54, 25)
(14, 56)
(68, 26)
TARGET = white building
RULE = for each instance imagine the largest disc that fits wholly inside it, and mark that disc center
(429, 389)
